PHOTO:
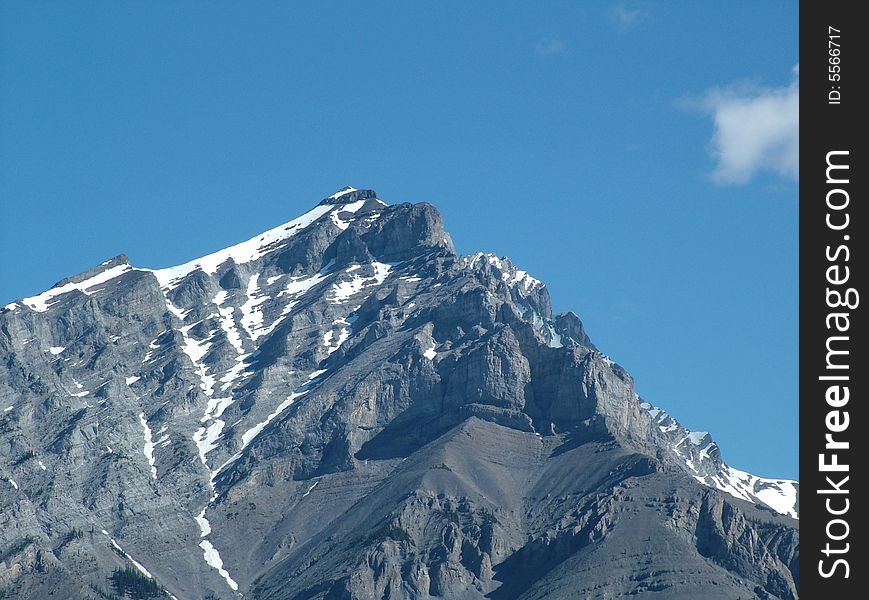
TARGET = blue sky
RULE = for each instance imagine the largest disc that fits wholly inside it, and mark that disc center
(638, 157)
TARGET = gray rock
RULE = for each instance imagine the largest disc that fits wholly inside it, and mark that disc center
(342, 407)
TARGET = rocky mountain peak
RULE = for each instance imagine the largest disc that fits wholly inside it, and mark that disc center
(349, 194)
(375, 415)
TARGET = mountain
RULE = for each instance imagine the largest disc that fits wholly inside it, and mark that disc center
(343, 407)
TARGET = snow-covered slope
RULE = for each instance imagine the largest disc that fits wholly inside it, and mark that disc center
(701, 457)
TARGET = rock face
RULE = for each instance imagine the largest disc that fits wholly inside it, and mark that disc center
(342, 407)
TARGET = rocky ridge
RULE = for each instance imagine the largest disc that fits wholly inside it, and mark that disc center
(343, 407)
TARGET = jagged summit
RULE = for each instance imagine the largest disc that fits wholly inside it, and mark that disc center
(376, 415)
(349, 194)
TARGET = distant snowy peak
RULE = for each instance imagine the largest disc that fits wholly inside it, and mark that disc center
(701, 458)
(508, 272)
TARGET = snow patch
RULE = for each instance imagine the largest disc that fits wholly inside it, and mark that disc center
(215, 408)
(132, 380)
(193, 348)
(697, 437)
(513, 277)
(149, 445)
(351, 207)
(204, 525)
(136, 564)
(234, 372)
(343, 334)
(46, 299)
(781, 498)
(780, 495)
(381, 271)
(57, 349)
(554, 338)
(525, 281)
(227, 323)
(212, 557)
(206, 438)
(251, 434)
(431, 353)
(343, 291)
(244, 252)
(299, 285)
(251, 316)
(342, 192)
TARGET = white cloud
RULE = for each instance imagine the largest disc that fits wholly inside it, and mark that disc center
(550, 46)
(756, 129)
(626, 18)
